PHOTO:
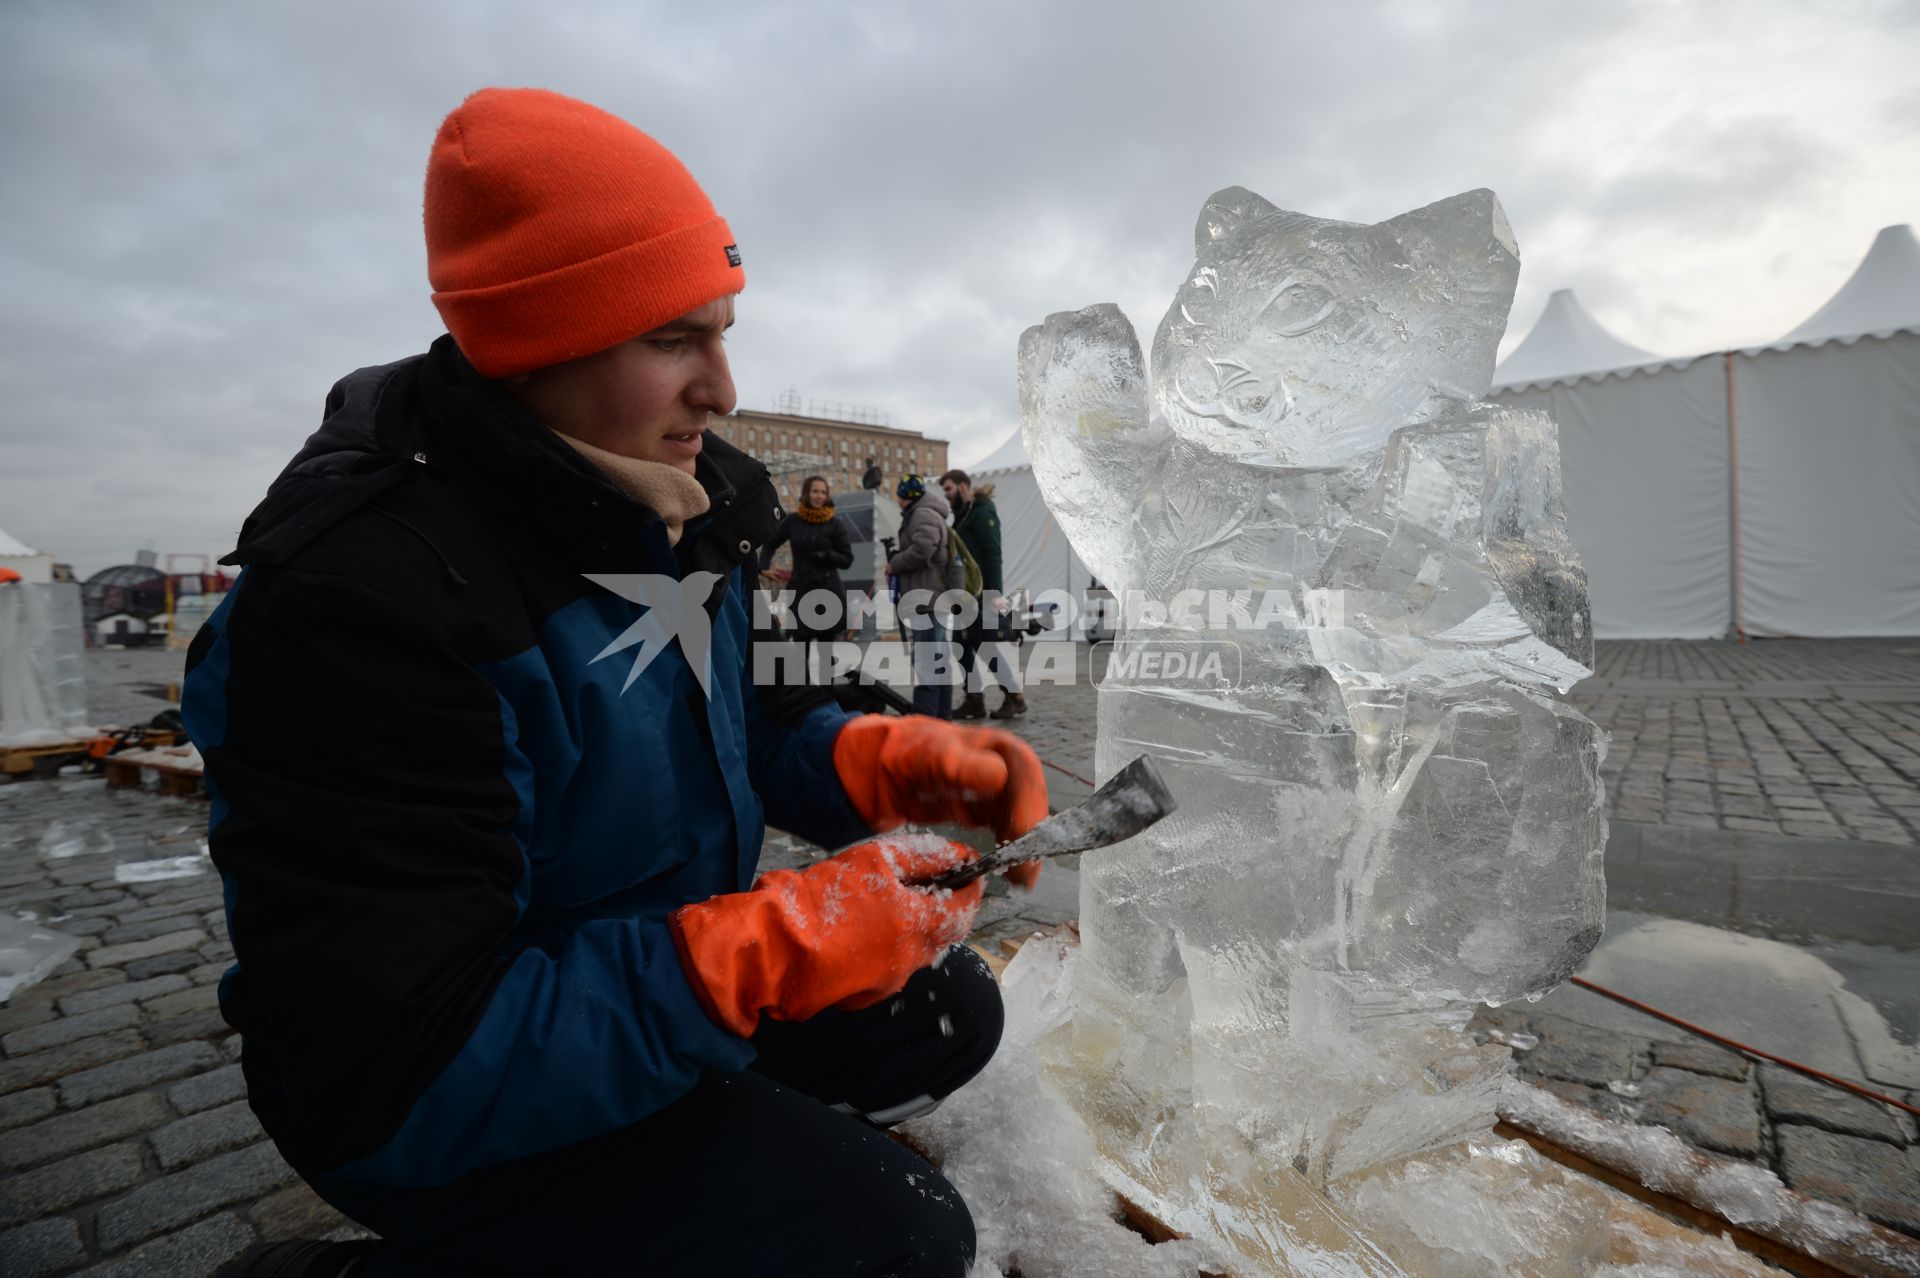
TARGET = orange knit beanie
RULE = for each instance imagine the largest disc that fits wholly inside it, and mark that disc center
(555, 230)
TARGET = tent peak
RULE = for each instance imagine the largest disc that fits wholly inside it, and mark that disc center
(1882, 294)
(13, 546)
(1566, 341)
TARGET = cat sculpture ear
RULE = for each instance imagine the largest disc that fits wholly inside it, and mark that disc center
(1466, 241)
(1467, 262)
(1225, 210)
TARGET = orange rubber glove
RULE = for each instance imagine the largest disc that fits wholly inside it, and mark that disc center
(846, 932)
(914, 768)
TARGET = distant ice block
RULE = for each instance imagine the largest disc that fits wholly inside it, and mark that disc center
(1388, 815)
(42, 684)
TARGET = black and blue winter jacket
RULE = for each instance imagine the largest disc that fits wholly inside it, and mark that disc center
(449, 830)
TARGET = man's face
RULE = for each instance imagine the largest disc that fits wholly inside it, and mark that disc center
(647, 398)
(957, 494)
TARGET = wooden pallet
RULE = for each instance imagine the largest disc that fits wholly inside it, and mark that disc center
(44, 760)
(179, 771)
(18, 760)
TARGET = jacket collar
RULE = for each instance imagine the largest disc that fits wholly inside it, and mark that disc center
(434, 412)
(531, 474)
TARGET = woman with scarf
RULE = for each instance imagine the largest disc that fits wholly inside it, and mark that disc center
(821, 548)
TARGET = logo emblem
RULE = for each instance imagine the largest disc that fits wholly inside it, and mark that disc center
(733, 255)
(674, 609)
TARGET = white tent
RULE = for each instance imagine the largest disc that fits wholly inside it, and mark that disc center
(1770, 491)
(1882, 294)
(1653, 537)
(1035, 554)
(1825, 427)
(32, 565)
(1643, 469)
(1566, 341)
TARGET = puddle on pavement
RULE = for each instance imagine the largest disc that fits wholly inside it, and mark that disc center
(1843, 1007)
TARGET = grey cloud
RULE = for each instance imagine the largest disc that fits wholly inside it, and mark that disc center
(1725, 175)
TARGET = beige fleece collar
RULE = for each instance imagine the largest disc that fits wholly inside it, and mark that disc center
(668, 491)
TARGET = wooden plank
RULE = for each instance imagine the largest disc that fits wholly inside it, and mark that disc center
(122, 775)
(127, 770)
(18, 759)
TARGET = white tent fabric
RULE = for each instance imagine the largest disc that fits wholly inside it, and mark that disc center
(1828, 443)
(1643, 466)
(33, 566)
(1034, 551)
(1011, 454)
(1818, 447)
(1566, 342)
(1882, 294)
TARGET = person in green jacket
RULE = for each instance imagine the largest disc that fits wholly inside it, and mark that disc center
(978, 524)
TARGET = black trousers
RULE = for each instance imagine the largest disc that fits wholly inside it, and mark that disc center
(772, 1172)
(984, 631)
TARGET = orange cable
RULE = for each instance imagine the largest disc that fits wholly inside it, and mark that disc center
(1736, 1045)
(1063, 772)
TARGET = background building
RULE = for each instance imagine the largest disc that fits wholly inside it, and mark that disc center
(139, 603)
(794, 446)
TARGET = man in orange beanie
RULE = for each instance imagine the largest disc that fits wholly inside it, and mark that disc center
(490, 780)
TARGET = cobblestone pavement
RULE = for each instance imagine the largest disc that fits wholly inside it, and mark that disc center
(130, 685)
(1822, 1141)
(1816, 738)
(126, 1143)
(127, 1148)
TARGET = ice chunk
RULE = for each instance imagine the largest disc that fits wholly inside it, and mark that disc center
(42, 684)
(172, 867)
(1387, 814)
(1485, 1206)
(1025, 1162)
(1746, 1195)
(28, 952)
(1491, 1206)
(85, 838)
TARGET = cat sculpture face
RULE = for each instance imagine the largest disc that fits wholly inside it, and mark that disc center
(1303, 342)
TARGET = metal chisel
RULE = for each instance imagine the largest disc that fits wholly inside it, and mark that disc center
(1132, 799)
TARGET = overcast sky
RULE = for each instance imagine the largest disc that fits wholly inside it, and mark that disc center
(211, 211)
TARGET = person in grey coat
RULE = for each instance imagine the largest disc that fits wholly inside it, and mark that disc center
(921, 564)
